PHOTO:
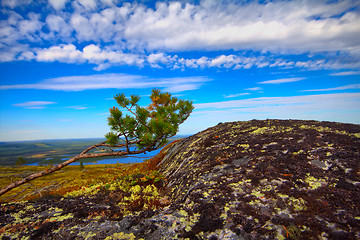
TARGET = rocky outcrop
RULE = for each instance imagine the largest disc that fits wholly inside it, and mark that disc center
(271, 179)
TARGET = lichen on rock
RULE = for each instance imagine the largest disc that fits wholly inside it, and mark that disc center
(269, 179)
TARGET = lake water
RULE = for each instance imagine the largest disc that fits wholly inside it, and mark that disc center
(127, 159)
(112, 160)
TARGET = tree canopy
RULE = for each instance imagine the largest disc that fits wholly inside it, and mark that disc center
(148, 127)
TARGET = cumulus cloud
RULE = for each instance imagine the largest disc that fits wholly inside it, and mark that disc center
(169, 27)
(58, 25)
(87, 4)
(274, 26)
(15, 3)
(119, 81)
(58, 4)
(63, 53)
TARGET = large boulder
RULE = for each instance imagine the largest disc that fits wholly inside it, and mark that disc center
(271, 179)
(268, 179)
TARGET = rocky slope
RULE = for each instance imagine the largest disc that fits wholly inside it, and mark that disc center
(272, 179)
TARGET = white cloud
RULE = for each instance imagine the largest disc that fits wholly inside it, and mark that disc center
(78, 107)
(58, 4)
(62, 53)
(311, 101)
(34, 104)
(29, 28)
(282, 80)
(275, 26)
(350, 86)
(347, 73)
(57, 24)
(94, 54)
(88, 4)
(254, 89)
(236, 95)
(123, 33)
(155, 59)
(83, 28)
(119, 81)
(15, 3)
(341, 107)
(91, 54)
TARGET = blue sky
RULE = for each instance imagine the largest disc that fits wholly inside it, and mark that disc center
(62, 61)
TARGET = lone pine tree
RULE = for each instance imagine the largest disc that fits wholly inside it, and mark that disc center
(146, 129)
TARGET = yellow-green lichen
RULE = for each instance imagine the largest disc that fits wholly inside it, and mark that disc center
(87, 235)
(151, 190)
(135, 189)
(297, 203)
(61, 218)
(188, 221)
(92, 190)
(205, 194)
(245, 146)
(122, 236)
(315, 183)
(299, 152)
(327, 129)
(257, 194)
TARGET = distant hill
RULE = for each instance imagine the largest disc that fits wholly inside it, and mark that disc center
(46, 151)
(40, 150)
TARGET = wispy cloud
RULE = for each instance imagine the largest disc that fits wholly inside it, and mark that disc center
(254, 89)
(282, 80)
(119, 81)
(78, 107)
(34, 104)
(64, 120)
(236, 95)
(350, 86)
(342, 107)
(307, 100)
(348, 73)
